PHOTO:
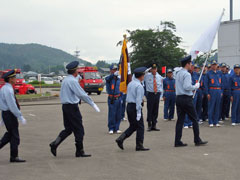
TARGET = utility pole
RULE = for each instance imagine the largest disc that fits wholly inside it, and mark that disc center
(231, 10)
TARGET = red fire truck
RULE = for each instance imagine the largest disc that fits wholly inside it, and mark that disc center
(20, 87)
(91, 80)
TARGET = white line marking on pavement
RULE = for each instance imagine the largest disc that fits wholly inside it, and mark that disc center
(32, 115)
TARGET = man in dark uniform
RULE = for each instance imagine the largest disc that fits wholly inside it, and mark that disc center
(184, 102)
(10, 115)
(135, 94)
(71, 93)
(154, 87)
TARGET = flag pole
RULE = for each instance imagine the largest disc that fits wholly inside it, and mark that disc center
(204, 65)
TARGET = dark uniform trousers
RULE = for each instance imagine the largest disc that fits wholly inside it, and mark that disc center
(72, 120)
(185, 106)
(224, 104)
(12, 134)
(134, 124)
(152, 107)
(204, 107)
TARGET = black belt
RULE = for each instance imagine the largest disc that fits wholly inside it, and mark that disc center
(185, 96)
(153, 92)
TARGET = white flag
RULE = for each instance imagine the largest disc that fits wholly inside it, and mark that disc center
(205, 42)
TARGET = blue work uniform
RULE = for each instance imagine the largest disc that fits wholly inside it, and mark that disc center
(170, 97)
(213, 84)
(10, 114)
(114, 102)
(235, 93)
(153, 97)
(226, 95)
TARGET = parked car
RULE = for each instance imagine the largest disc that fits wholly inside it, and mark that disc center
(47, 80)
(31, 79)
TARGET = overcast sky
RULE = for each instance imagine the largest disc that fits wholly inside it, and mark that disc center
(95, 26)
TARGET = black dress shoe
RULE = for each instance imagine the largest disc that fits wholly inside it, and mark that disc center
(17, 160)
(140, 147)
(201, 143)
(180, 145)
(155, 129)
(82, 154)
(53, 149)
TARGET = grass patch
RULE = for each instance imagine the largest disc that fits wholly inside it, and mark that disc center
(48, 85)
(29, 96)
(55, 89)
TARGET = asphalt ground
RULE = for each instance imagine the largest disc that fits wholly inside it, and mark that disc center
(219, 160)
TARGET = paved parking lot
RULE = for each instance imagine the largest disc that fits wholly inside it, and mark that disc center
(219, 160)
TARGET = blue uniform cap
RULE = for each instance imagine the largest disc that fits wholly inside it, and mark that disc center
(223, 65)
(186, 59)
(196, 66)
(113, 66)
(208, 65)
(140, 70)
(214, 62)
(72, 65)
(228, 67)
(154, 65)
(236, 66)
(9, 74)
(169, 70)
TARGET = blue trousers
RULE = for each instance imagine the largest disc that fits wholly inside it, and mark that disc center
(114, 114)
(214, 106)
(224, 105)
(236, 107)
(124, 96)
(169, 105)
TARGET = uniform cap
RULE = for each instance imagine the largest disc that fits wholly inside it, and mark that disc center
(236, 66)
(72, 65)
(113, 66)
(186, 59)
(196, 66)
(140, 70)
(9, 74)
(223, 65)
(214, 62)
(169, 70)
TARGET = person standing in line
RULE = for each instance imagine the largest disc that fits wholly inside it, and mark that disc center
(114, 100)
(11, 114)
(153, 82)
(235, 95)
(135, 94)
(184, 102)
(169, 96)
(70, 95)
(213, 84)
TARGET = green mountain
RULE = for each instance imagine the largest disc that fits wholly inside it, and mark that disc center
(34, 57)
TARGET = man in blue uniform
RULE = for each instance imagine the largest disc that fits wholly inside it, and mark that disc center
(226, 91)
(169, 95)
(114, 100)
(10, 114)
(213, 84)
(204, 115)
(71, 93)
(153, 83)
(135, 94)
(235, 95)
(184, 102)
(229, 102)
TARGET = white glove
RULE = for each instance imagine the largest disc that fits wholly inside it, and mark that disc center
(197, 85)
(23, 120)
(116, 73)
(96, 107)
(139, 116)
(147, 70)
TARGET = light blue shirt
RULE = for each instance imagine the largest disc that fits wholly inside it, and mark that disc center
(148, 79)
(135, 94)
(184, 83)
(8, 101)
(71, 92)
